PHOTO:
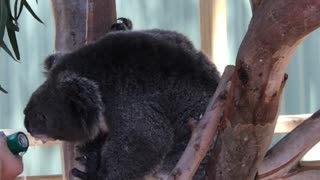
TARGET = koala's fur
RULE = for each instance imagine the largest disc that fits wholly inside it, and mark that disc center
(127, 99)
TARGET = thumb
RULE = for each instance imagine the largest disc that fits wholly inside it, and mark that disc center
(2, 134)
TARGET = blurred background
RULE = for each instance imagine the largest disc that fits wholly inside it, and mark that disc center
(36, 41)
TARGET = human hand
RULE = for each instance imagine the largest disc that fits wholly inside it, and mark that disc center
(10, 165)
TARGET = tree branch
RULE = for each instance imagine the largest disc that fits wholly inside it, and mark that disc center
(289, 150)
(308, 174)
(204, 131)
(301, 173)
(275, 30)
(286, 123)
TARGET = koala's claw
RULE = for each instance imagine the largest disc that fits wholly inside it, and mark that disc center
(83, 175)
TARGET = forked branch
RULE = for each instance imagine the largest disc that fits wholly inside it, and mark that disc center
(276, 29)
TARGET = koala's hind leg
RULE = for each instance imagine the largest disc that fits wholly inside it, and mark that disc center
(139, 140)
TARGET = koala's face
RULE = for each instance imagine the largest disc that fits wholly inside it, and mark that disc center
(50, 115)
(65, 107)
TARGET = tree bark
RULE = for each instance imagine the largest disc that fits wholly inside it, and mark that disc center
(79, 22)
(101, 14)
(276, 29)
(204, 131)
(70, 24)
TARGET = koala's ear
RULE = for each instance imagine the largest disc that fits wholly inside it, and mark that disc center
(51, 61)
(85, 97)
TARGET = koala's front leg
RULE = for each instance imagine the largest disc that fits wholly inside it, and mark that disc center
(90, 158)
(139, 140)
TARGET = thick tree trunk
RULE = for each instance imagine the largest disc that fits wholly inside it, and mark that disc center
(276, 29)
(101, 14)
(70, 24)
(251, 108)
(79, 22)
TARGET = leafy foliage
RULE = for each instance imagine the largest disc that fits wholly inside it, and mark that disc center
(9, 22)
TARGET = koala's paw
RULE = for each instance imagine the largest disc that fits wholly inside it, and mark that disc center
(84, 175)
(89, 161)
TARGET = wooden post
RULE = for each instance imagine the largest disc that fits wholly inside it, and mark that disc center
(213, 30)
(206, 26)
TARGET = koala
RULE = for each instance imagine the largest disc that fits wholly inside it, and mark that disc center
(126, 99)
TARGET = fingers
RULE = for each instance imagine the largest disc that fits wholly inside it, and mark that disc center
(13, 164)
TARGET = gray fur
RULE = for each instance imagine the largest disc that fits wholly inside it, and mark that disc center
(143, 86)
(89, 90)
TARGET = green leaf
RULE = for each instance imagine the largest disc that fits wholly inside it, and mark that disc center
(25, 3)
(14, 43)
(20, 10)
(6, 49)
(3, 17)
(15, 8)
(3, 90)
(10, 22)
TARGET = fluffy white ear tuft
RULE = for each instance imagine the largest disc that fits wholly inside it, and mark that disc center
(85, 96)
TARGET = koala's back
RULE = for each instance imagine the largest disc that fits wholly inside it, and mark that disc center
(143, 61)
(156, 63)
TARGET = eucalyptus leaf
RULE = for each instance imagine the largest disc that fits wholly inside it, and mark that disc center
(25, 3)
(3, 90)
(10, 22)
(6, 49)
(3, 17)
(14, 43)
(15, 9)
(20, 10)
